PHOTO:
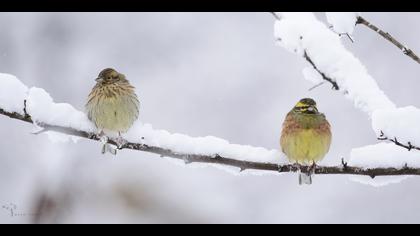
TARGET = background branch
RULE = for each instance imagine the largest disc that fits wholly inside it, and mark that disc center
(355, 90)
(387, 36)
(407, 146)
(324, 77)
(343, 168)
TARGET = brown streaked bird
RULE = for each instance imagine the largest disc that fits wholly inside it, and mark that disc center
(112, 105)
(305, 137)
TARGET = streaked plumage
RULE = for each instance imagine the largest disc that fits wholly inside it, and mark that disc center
(306, 134)
(112, 105)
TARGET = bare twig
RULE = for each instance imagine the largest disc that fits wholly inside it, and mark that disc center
(387, 36)
(275, 15)
(316, 86)
(341, 34)
(407, 146)
(217, 159)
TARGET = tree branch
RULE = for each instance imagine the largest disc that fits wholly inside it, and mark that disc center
(308, 59)
(387, 36)
(407, 146)
(325, 77)
(217, 159)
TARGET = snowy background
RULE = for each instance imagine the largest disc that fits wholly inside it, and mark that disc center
(200, 74)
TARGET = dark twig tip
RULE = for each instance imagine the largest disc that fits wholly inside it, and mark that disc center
(343, 163)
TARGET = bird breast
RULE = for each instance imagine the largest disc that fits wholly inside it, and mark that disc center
(113, 107)
(305, 139)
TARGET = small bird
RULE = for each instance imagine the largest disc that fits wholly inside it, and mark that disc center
(305, 137)
(112, 106)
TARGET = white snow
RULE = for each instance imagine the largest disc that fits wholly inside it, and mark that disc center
(303, 32)
(42, 109)
(342, 22)
(402, 123)
(311, 75)
(384, 155)
(379, 181)
(12, 93)
(209, 145)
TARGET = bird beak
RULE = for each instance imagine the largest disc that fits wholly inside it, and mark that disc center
(99, 79)
(311, 109)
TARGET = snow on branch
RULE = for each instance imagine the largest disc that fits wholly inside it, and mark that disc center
(35, 106)
(407, 51)
(343, 23)
(305, 35)
(324, 77)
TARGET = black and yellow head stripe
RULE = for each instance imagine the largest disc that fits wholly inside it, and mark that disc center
(301, 104)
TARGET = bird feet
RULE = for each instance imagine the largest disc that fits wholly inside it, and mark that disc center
(297, 166)
(120, 142)
(105, 145)
(312, 168)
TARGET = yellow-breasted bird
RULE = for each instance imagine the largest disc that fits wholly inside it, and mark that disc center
(112, 105)
(306, 136)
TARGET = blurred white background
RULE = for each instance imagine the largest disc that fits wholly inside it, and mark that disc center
(201, 74)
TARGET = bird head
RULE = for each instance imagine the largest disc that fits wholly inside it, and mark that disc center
(109, 76)
(306, 106)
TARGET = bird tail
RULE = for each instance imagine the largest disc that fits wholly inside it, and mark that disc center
(305, 178)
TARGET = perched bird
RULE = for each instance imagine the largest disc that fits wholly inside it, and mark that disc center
(112, 105)
(305, 137)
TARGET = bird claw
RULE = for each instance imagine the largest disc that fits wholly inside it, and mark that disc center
(108, 148)
(312, 168)
(105, 145)
(297, 166)
(120, 142)
(103, 139)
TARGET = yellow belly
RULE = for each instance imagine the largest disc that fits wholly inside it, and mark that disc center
(114, 114)
(305, 146)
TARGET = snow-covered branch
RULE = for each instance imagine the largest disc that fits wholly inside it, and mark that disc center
(305, 35)
(241, 165)
(407, 146)
(35, 106)
(308, 37)
(324, 77)
(407, 51)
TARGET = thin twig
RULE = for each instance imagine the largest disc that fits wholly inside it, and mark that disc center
(407, 146)
(275, 15)
(316, 86)
(388, 37)
(325, 77)
(341, 34)
(217, 159)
